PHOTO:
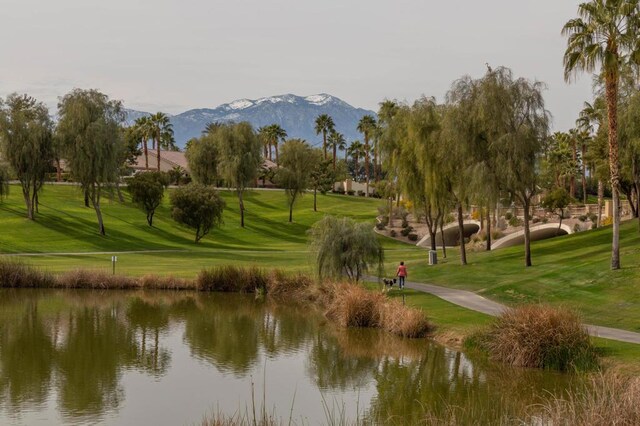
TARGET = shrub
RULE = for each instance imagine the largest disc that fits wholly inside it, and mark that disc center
(412, 237)
(606, 221)
(592, 217)
(383, 210)
(496, 233)
(15, 274)
(535, 219)
(515, 221)
(360, 193)
(583, 218)
(577, 228)
(350, 192)
(545, 220)
(539, 337)
(393, 233)
(405, 224)
(475, 215)
(406, 231)
(380, 225)
(229, 278)
(197, 206)
(508, 216)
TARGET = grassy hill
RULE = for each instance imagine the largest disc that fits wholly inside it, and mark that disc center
(64, 225)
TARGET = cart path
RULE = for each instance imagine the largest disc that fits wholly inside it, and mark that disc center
(475, 302)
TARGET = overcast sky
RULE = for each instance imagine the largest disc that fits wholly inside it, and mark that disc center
(175, 55)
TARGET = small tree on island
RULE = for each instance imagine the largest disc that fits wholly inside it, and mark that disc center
(197, 206)
(147, 191)
(295, 170)
(556, 201)
(343, 246)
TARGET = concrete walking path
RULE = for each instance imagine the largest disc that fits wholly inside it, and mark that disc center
(475, 302)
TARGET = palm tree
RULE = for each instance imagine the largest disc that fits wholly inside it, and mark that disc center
(356, 150)
(275, 134)
(336, 142)
(212, 127)
(324, 125)
(605, 34)
(161, 132)
(367, 126)
(143, 129)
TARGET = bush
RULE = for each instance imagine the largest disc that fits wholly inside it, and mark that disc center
(393, 233)
(606, 221)
(380, 225)
(515, 221)
(412, 237)
(545, 220)
(577, 228)
(592, 217)
(406, 231)
(147, 191)
(360, 193)
(197, 206)
(535, 219)
(583, 218)
(350, 192)
(496, 233)
(508, 216)
(539, 336)
(230, 278)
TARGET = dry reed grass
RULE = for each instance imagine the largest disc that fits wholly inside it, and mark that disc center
(539, 336)
(229, 278)
(605, 399)
(14, 274)
(95, 280)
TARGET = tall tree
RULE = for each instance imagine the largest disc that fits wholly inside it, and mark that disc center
(294, 172)
(90, 128)
(197, 206)
(4, 180)
(27, 136)
(142, 128)
(203, 157)
(324, 124)
(161, 132)
(367, 126)
(239, 158)
(276, 134)
(604, 36)
(336, 142)
(322, 177)
(356, 151)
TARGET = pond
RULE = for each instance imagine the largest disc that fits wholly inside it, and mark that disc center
(165, 358)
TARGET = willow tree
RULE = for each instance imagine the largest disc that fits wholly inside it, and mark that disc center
(27, 137)
(367, 126)
(239, 158)
(345, 247)
(603, 38)
(514, 121)
(90, 130)
(324, 124)
(294, 173)
(202, 156)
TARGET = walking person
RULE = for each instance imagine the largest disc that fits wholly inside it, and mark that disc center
(402, 274)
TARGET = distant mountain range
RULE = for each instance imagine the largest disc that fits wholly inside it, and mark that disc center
(296, 114)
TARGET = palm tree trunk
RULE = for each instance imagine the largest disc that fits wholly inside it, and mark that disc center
(572, 182)
(334, 156)
(366, 166)
(600, 201)
(158, 151)
(146, 156)
(356, 169)
(463, 251)
(376, 170)
(611, 93)
(584, 175)
(324, 143)
(276, 147)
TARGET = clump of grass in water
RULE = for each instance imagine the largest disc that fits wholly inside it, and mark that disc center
(538, 336)
(229, 278)
(606, 399)
(15, 274)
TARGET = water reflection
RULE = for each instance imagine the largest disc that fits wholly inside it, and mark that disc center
(69, 351)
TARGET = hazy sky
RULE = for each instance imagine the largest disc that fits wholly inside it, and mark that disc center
(175, 55)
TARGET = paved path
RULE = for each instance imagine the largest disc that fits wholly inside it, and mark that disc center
(475, 302)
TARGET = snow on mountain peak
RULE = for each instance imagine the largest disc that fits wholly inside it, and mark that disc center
(240, 104)
(319, 99)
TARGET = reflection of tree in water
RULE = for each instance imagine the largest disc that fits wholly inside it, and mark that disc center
(225, 333)
(90, 358)
(25, 355)
(285, 329)
(148, 320)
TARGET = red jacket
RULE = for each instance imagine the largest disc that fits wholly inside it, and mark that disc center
(402, 271)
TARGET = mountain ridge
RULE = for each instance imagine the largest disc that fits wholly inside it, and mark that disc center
(296, 114)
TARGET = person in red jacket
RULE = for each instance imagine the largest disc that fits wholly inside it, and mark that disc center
(402, 274)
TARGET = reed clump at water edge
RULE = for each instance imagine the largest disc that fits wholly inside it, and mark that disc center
(348, 304)
(538, 336)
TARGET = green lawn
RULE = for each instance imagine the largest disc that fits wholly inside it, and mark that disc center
(64, 225)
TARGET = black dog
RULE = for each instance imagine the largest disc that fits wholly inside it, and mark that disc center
(389, 282)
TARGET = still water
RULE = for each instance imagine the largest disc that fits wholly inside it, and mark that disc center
(164, 358)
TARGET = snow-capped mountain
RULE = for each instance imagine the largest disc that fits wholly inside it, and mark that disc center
(296, 114)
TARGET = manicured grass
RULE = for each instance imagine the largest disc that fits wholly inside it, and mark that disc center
(572, 271)
(64, 225)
